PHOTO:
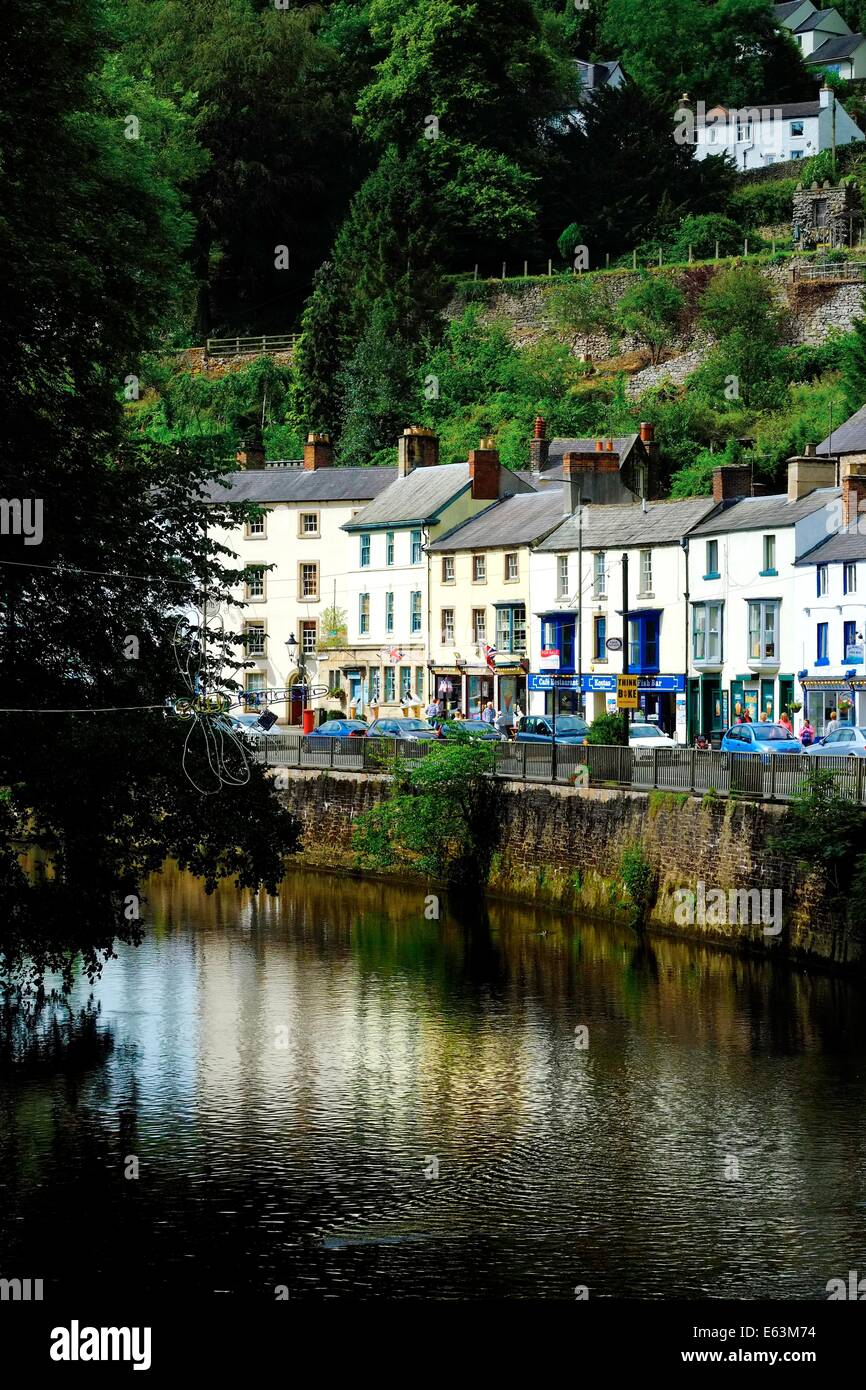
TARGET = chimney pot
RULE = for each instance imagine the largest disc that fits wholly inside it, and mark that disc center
(417, 447)
(539, 427)
(599, 445)
(318, 451)
(484, 472)
(647, 432)
(609, 446)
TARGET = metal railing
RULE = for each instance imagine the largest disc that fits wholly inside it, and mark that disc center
(835, 270)
(689, 770)
(234, 347)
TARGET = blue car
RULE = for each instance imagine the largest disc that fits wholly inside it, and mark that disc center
(765, 739)
(340, 728)
(538, 728)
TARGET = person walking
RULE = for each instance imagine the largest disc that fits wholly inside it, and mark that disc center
(431, 712)
(517, 712)
(503, 722)
(785, 721)
(488, 714)
(832, 723)
(807, 734)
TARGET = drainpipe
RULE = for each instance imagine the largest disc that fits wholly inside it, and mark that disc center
(685, 545)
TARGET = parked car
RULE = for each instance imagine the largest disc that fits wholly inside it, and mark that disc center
(847, 742)
(245, 727)
(767, 740)
(340, 728)
(476, 728)
(417, 729)
(643, 738)
(538, 728)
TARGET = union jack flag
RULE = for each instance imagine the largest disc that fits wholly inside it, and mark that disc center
(489, 654)
(395, 654)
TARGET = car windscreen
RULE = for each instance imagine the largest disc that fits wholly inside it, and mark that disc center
(570, 724)
(771, 733)
(412, 723)
(644, 731)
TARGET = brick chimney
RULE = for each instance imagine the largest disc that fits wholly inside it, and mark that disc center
(485, 472)
(318, 451)
(807, 471)
(731, 481)
(853, 501)
(578, 472)
(251, 454)
(417, 447)
(539, 446)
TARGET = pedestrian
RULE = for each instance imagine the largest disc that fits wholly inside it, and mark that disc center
(763, 716)
(517, 712)
(807, 734)
(441, 708)
(431, 712)
(785, 721)
(832, 723)
(702, 742)
(747, 718)
(488, 714)
(503, 722)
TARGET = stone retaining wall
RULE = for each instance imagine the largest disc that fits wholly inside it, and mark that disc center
(564, 847)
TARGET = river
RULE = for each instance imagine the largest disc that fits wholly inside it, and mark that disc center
(332, 1094)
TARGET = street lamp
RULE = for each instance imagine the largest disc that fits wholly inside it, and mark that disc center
(296, 654)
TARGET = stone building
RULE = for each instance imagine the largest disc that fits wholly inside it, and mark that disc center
(826, 215)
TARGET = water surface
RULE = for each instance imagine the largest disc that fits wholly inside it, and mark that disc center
(290, 1075)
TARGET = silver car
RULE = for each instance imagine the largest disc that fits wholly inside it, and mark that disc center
(845, 742)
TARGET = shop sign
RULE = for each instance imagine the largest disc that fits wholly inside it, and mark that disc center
(549, 659)
(854, 654)
(626, 692)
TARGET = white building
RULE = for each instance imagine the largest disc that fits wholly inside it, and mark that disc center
(824, 39)
(754, 137)
(582, 591)
(831, 588)
(745, 628)
(308, 592)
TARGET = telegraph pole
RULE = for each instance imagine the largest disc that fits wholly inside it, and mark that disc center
(580, 703)
(625, 660)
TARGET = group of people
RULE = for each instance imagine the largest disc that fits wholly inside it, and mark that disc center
(806, 734)
(503, 719)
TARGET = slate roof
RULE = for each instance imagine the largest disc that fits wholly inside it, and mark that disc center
(418, 498)
(590, 72)
(839, 46)
(782, 11)
(301, 485)
(788, 111)
(845, 545)
(663, 523)
(517, 520)
(814, 21)
(849, 438)
(765, 513)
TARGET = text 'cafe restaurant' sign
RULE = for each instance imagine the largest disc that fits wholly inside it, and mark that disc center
(544, 680)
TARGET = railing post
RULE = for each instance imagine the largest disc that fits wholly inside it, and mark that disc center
(860, 770)
(333, 742)
(553, 760)
(655, 753)
(772, 796)
(692, 757)
(525, 746)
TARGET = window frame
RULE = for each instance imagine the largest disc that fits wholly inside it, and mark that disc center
(302, 596)
(304, 534)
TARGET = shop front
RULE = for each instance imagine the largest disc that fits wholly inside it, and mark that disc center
(824, 697)
(447, 685)
(661, 699)
(480, 689)
(511, 688)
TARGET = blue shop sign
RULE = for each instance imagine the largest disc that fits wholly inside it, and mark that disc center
(541, 680)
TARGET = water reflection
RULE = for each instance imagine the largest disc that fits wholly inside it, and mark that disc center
(286, 1072)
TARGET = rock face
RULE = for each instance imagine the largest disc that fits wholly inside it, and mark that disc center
(525, 309)
(565, 847)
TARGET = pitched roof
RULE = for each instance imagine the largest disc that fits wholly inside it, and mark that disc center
(815, 21)
(845, 545)
(301, 485)
(662, 523)
(782, 11)
(839, 46)
(594, 75)
(788, 111)
(622, 445)
(517, 520)
(764, 513)
(849, 438)
(418, 498)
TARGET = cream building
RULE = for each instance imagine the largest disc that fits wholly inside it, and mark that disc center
(480, 602)
(386, 656)
(295, 614)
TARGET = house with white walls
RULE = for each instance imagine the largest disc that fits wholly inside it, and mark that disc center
(756, 136)
(609, 593)
(831, 588)
(297, 590)
(824, 39)
(745, 625)
(386, 655)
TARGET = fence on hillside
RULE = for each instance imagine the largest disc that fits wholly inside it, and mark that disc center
(264, 343)
(689, 770)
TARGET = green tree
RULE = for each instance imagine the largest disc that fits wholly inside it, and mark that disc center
(650, 312)
(729, 50)
(854, 367)
(91, 261)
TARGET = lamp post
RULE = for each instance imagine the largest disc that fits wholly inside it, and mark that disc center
(296, 655)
